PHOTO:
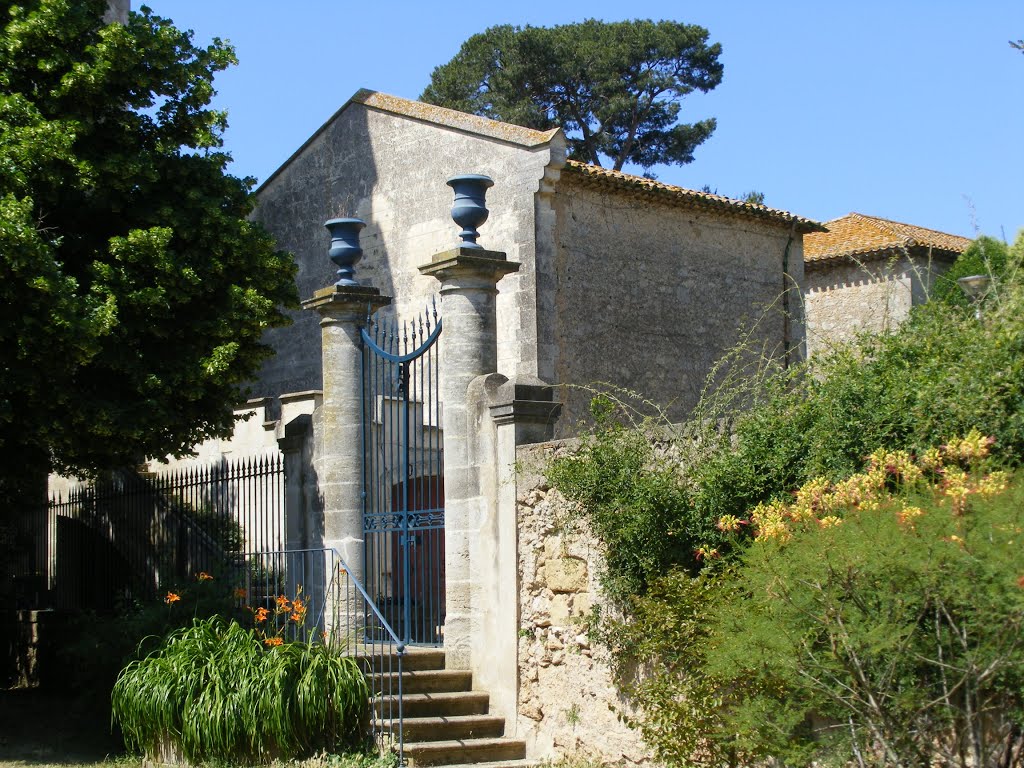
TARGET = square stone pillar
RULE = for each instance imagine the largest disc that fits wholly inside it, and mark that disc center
(338, 455)
(509, 414)
(469, 348)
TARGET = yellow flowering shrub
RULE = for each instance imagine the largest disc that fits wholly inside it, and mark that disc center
(892, 604)
(952, 474)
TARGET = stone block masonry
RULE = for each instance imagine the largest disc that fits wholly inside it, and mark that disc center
(567, 701)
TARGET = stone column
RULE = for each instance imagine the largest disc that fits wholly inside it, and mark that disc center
(469, 348)
(338, 461)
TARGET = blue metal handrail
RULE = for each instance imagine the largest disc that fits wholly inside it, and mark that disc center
(340, 612)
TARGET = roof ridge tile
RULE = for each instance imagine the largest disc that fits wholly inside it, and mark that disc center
(694, 198)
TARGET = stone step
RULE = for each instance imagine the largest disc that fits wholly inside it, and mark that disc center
(435, 704)
(449, 727)
(463, 751)
(425, 681)
(414, 660)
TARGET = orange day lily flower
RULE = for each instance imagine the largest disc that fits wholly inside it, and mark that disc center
(172, 598)
(203, 576)
(272, 641)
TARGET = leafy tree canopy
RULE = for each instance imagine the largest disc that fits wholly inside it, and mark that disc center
(135, 290)
(985, 256)
(615, 88)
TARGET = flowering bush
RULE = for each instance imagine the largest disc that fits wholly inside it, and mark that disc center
(880, 618)
(219, 691)
(950, 475)
(286, 619)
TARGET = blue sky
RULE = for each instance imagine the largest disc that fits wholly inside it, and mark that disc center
(909, 110)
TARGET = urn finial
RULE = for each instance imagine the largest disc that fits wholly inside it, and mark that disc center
(470, 209)
(345, 250)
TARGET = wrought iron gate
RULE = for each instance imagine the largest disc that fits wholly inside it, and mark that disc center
(403, 476)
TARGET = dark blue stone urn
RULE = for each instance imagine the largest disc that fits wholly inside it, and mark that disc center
(470, 210)
(345, 250)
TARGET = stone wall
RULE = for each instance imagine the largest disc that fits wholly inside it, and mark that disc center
(847, 297)
(650, 295)
(567, 702)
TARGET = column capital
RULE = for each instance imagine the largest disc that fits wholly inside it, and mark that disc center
(337, 300)
(475, 263)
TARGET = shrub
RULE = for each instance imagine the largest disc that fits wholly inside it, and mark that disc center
(631, 497)
(880, 618)
(217, 692)
(660, 645)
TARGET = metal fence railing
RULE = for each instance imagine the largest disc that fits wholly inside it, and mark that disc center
(334, 608)
(127, 534)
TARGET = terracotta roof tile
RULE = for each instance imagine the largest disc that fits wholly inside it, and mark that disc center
(858, 235)
(592, 175)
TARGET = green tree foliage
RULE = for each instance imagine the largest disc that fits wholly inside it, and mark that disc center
(615, 88)
(985, 256)
(135, 290)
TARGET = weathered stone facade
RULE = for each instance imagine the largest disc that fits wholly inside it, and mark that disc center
(668, 289)
(389, 169)
(567, 701)
(850, 297)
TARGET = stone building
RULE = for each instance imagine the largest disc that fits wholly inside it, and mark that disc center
(865, 273)
(622, 280)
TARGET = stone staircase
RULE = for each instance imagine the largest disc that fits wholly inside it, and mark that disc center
(446, 721)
